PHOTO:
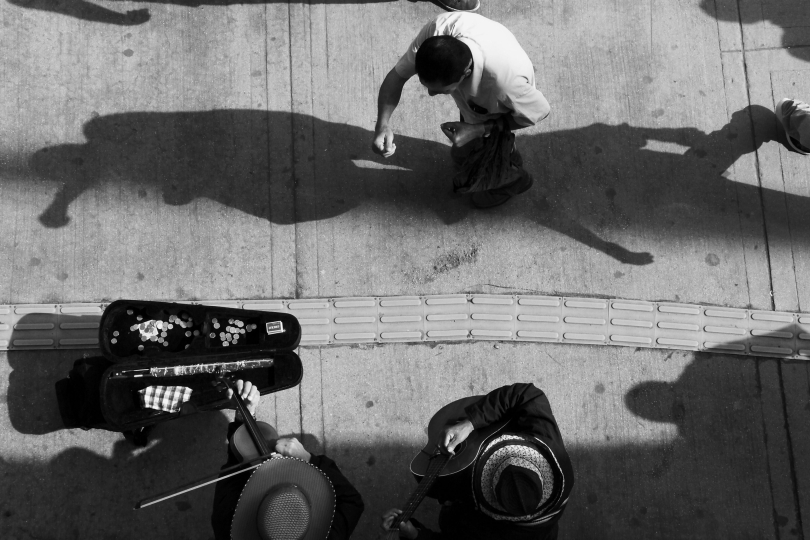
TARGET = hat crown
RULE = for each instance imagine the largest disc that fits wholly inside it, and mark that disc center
(519, 490)
(284, 514)
(279, 497)
(514, 481)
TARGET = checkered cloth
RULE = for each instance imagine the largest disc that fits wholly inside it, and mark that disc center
(164, 398)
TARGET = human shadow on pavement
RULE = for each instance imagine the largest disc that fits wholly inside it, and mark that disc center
(711, 481)
(793, 16)
(592, 182)
(86, 11)
(91, 12)
(708, 481)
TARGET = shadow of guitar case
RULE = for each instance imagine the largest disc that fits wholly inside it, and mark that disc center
(169, 344)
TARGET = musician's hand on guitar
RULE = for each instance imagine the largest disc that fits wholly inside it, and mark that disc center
(406, 529)
(249, 393)
(292, 448)
(456, 434)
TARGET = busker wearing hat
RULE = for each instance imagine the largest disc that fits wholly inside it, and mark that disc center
(482, 66)
(296, 496)
(519, 484)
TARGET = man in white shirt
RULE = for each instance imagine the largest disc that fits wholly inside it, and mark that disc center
(481, 65)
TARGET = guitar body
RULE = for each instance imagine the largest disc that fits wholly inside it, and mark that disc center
(467, 451)
(432, 464)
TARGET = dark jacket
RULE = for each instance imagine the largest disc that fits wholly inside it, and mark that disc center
(531, 416)
(348, 503)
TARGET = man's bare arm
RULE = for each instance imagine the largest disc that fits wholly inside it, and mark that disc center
(387, 101)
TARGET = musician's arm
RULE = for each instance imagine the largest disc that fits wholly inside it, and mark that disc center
(348, 502)
(527, 404)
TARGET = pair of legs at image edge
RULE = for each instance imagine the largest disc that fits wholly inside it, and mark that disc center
(513, 180)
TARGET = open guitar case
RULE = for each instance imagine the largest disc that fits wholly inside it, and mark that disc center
(136, 336)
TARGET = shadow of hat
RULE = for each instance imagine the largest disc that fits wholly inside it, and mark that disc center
(284, 498)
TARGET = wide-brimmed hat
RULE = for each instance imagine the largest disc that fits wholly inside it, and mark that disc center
(285, 499)
(516, 479)
(794, 115)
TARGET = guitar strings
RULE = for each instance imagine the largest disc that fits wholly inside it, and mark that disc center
(437, 463)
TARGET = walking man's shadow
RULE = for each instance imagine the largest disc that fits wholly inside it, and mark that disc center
(287, 168)
(88, 11)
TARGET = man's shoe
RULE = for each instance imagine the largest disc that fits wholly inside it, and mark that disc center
(783, 111)
(459, 5)
(496, 197)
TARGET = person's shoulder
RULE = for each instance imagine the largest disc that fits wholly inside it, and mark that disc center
(458, 21)
(465, 18)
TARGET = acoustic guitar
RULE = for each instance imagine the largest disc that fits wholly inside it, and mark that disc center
(433, 462)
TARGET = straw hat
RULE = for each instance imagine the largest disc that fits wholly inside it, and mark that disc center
(515, 481)
(285, 499)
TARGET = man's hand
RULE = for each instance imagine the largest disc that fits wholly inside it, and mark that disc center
(384, 142)
(461, 133)
(249, 393)
(406, 529)
(456, 434)
(390, 92)
(292, 448)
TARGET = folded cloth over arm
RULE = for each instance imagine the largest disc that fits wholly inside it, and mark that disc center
(164, 398)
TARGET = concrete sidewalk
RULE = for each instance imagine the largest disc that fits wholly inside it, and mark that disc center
(222, 150)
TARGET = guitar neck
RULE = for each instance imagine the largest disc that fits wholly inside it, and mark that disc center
(437, 463)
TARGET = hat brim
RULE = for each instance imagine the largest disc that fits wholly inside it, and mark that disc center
(283, 470)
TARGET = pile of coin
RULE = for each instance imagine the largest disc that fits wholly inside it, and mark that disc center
(233, 331)
(157, 331)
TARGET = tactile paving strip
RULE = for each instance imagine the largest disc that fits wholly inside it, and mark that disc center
(465, 317)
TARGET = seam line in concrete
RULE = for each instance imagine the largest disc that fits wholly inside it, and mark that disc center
(791, 457)
(758, 168)
(323, 416)
(293, 145)
(778, 48)
(736, 191)
(300, 412)
(787, 215)
(765, 426)
(267, 127)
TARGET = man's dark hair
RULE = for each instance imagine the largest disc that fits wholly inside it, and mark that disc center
(442, 60)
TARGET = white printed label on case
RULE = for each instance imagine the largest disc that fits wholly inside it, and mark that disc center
(274, 328)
